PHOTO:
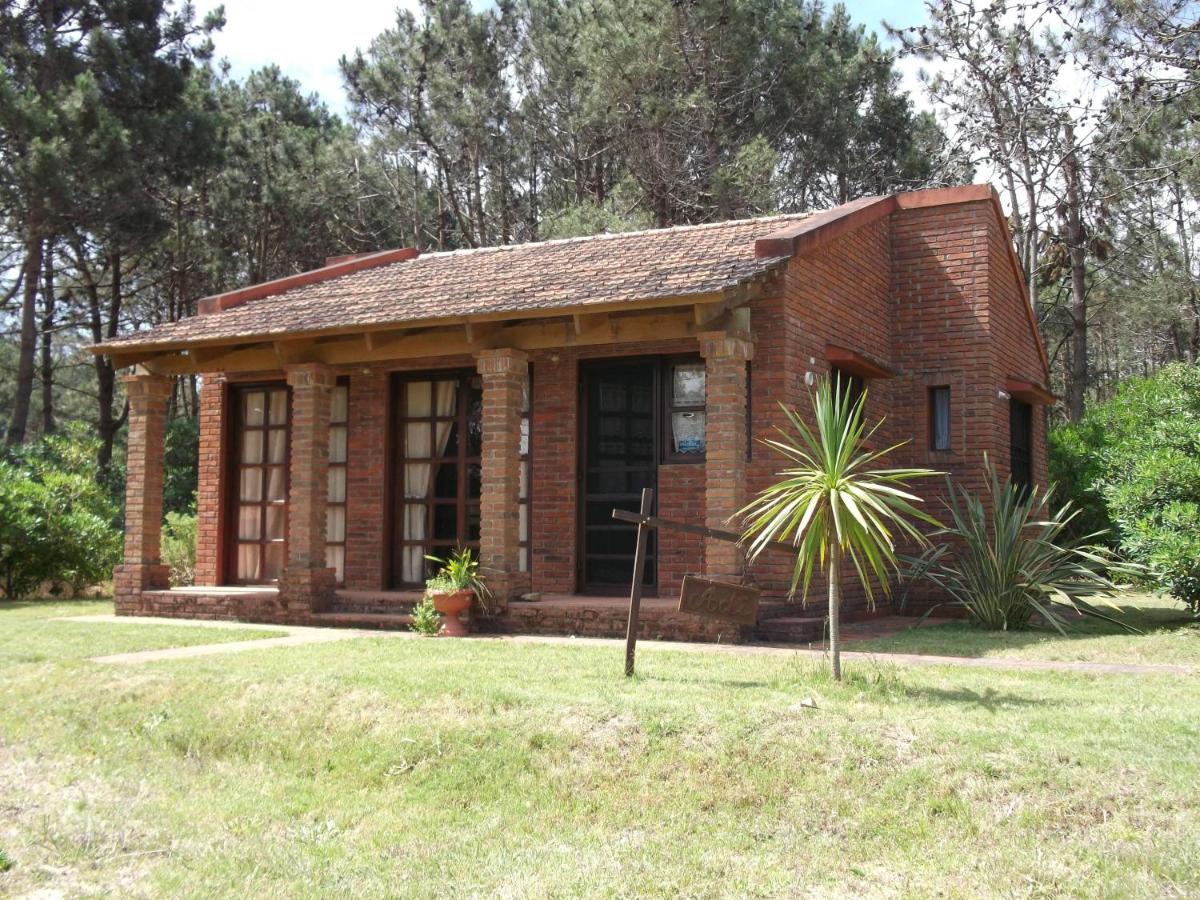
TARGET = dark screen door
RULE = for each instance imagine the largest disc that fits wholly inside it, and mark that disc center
(620, 457)
(1020, 430)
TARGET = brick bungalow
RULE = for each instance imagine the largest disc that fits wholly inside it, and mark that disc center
(392, 405)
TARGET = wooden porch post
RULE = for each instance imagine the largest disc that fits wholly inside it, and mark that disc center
(505, 380)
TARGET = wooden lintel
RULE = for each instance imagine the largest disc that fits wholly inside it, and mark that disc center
(585, 322)
(478, 332)
(705, 313)
(292, 352)
(440, 342)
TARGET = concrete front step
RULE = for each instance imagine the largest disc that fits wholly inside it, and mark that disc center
(397, 603)
(791, 629)
(338, 618)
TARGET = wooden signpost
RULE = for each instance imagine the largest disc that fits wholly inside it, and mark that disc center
(719, 600)
(699, 596)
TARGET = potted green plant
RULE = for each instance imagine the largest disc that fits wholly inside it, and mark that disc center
(456, 583)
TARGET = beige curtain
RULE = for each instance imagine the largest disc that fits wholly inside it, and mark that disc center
(424, 398)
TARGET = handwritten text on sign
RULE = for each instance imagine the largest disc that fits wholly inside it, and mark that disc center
(719, 600)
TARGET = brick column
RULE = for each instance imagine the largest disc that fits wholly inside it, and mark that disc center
(212, 482)
(725, 359)
(306, 584)
(142, 569)
(505, 378)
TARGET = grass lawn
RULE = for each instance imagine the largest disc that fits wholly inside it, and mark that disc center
(1171, 635)
(394, 766)
(33, 632)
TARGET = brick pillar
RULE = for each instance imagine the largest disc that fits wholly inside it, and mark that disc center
(725, 359)
(505, 378)
(142, 569)
(306, 584)
(212, 482)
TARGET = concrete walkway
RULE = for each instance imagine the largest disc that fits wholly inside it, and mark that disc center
(297, 636)
(294, 636)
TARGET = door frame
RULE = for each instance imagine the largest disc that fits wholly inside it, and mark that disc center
(227, 562)
(394, 472)
(585, 366)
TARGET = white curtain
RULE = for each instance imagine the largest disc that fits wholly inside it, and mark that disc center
(423, 399)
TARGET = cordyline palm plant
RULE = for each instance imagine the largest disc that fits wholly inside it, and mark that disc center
(1014, 557)
(833, 502)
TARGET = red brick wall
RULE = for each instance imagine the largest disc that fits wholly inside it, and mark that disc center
(1016, 354)
(837, 296)
(926, 292)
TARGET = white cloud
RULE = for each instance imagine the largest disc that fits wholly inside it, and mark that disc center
(303, 37)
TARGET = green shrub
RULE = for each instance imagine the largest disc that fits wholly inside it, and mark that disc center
(1134, 461)
(1011, 555)
(425, 619)
(57, 522)
(179, 548)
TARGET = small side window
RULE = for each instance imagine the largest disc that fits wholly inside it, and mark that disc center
(939, 418)
(684, 393)
(851, 385)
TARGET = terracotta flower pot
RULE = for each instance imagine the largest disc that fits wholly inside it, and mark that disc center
(451, 607)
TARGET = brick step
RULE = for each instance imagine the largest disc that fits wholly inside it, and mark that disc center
(791, 629)
(779, 609)
(383, 621)
(375, 603)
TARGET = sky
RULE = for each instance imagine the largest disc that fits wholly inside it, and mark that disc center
(306, 38)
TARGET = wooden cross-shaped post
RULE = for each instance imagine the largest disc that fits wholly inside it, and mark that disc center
(639, 576)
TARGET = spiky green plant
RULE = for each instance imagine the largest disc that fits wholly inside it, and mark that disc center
(1014, 556)
(832, 502)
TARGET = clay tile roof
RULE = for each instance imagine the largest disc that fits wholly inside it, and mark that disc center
(565, 274)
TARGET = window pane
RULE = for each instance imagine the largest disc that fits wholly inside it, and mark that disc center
(416, 480)
(335, 558)
(524, 437)
(687, 432)
(417, 443)
(335, 523)
(337, 444)
(940, 417)
(418, 398)
(249, 517)
(276, 483)
(247, 565)
(252, 447)
(276, 521)
(254, 405)
(524, 494)
(445, 481)
(524, 559)
(687, 385)
(523, 522)
(279, 407)
(445, 521)
(251, 484)
(337, 485)
(277, 445)
(339, 404)
(273, 565)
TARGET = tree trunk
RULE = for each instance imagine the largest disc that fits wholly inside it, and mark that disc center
(1077, 252)
(48, 426)
(835, 605)
(24, 393)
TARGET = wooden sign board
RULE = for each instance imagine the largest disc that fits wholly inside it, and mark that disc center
(719, 600)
